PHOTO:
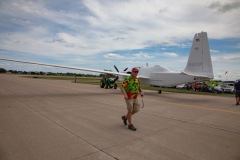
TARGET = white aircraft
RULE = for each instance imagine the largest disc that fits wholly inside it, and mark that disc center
(198, 68)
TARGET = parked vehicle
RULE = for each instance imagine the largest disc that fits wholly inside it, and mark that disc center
(228, 89)
(218, 89)
(181, 86)
(209, 89)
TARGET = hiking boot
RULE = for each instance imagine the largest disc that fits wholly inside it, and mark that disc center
(131, 127)
(124, 120)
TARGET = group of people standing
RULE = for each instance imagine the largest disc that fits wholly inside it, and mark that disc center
(201, 87)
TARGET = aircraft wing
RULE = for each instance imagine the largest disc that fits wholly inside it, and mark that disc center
(66, 67)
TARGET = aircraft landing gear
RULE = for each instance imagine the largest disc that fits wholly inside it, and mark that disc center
(159, 91)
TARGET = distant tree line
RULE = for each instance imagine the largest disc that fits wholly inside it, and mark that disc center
(2, 70)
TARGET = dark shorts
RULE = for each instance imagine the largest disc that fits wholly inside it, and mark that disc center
(237, 94)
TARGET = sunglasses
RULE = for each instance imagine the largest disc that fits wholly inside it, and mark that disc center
(135, 71)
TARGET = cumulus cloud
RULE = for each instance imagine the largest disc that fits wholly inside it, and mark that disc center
(227, 57)
(225, 7)
(142, 56)
(214, 51)
(92, 27)
(168, 54)
(105, 25)
(113, 56)
(231, 75)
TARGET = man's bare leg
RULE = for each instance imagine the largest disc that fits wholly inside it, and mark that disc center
(129, 117)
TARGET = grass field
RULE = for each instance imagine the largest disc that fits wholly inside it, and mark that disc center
(96, 81)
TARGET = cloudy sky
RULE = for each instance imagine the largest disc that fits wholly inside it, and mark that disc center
(100, 33)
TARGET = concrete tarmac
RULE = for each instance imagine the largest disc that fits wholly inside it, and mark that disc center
(60, 120)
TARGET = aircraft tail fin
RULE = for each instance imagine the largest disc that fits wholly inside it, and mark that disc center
(199, 61)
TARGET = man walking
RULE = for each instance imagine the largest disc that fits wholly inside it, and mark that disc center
(130, 89)
(237, 91)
